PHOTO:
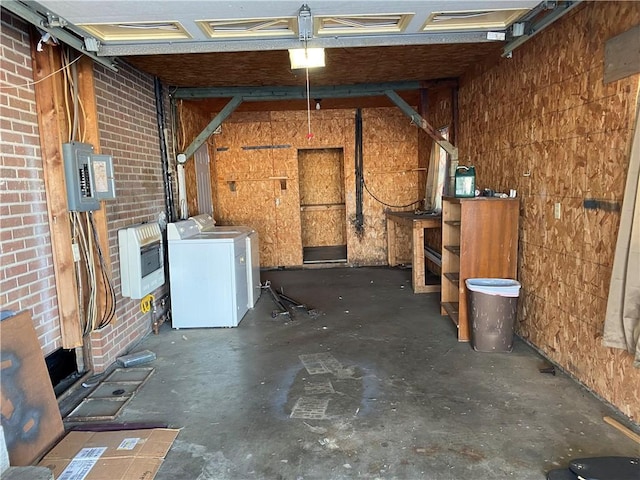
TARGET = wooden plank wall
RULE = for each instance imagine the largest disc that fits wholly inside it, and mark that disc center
(250, 182)
(544, 122)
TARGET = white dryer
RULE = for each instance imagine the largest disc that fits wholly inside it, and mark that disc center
(208, 275)
(206, 223)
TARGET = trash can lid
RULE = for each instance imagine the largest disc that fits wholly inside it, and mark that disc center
(504, 287)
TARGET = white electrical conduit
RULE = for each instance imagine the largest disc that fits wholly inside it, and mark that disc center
(182, 193)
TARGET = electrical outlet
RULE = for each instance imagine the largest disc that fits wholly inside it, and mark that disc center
(557, 213)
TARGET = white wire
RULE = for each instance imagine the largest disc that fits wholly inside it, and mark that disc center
(28, 84)
(306, 69)
(79, 278)
(308, 102)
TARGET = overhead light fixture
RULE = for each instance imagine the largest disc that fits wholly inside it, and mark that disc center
(306, 57)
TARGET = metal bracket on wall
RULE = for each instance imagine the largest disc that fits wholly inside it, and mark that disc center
(417, 119)
(537, 20)
(56, 27)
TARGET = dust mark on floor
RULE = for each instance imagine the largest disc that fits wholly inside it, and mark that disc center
(469, 453)
(319, 387)
(466, 451)
(215, 465)
(317, 363)
(310, 408)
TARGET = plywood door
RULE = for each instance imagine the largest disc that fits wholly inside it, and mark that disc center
(322, 204)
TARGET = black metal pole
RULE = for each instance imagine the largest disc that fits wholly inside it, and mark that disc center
(166, 175)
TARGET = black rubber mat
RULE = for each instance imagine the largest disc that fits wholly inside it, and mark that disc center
(561, 474)
(607, 468)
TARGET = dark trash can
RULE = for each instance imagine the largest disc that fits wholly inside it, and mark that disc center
(493, 306)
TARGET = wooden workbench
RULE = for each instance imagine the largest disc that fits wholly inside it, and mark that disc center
(417, 223)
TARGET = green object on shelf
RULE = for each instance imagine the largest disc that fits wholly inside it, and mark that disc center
(465, 181)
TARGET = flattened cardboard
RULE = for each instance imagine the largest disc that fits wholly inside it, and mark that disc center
(30, 415)
(119, 455)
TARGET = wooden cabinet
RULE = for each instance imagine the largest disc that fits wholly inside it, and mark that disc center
(479, 240)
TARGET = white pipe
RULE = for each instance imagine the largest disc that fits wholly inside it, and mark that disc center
(182, 193)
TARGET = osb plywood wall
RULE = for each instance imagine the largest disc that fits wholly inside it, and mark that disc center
(390, 149)
(321, 174)
(323, 228)
(544, 123)
(256, 179)
(321, 181)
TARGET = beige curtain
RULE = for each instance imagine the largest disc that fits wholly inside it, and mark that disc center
(622, 322)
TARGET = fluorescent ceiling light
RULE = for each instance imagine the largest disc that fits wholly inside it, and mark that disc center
(306, 57)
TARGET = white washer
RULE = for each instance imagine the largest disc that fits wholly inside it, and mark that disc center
(208, 276)
(206, 223)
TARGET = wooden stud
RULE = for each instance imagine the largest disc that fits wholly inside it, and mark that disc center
(622, 55)
(87, 95)
(49, 105)
(621, 428)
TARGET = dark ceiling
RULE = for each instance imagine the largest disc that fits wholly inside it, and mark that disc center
(344, 66)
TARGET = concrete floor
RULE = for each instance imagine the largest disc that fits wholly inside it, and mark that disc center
(398, 396)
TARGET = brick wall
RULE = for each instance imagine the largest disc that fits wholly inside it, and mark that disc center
(26, 276)
(128, 132)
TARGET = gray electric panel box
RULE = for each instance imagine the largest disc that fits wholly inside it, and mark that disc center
(88, 177)
(78, 177)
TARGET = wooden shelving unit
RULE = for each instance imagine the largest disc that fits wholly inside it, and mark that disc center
(479, 240)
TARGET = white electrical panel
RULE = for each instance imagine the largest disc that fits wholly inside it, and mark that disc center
(103, 179)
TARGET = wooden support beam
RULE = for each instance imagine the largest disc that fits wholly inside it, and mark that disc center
(622, 55)
(51, 123)
(622, 429)
(213, 124)
(87, 95)
(423, 124)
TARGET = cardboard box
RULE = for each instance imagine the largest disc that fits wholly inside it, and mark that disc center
(118, 455)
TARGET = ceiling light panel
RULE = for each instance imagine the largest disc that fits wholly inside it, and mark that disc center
(472, 20)
(136, 31)
(249, 27)
(362, 24)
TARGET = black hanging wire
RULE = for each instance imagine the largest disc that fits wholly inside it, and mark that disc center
(387, 204)
(110, 295)
(361, 185)
(164, 155)
(359, 219)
